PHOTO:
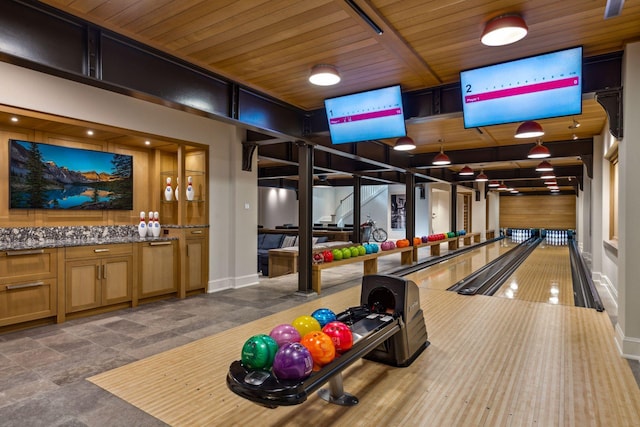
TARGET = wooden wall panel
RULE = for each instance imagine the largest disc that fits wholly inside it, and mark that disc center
(538, 212)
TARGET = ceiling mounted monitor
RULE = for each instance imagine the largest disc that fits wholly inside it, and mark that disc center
(366, 116)
(538, 87)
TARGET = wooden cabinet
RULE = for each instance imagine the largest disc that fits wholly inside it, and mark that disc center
(28, 285)
(193, 259)
(157, 269)
(97, 276)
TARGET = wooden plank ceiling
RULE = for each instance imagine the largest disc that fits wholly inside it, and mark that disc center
(270, 45)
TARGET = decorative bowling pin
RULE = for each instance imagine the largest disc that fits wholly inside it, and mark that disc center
(150, 225)
(177, 188)
(190, 192)
(168, 191)
(156, 224)
(142, 226)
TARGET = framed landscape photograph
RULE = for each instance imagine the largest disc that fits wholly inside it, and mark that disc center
(46, 176)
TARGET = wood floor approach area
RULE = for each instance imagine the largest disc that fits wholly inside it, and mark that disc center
(492, 361)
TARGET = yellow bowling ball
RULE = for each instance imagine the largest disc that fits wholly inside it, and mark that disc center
(306, 324)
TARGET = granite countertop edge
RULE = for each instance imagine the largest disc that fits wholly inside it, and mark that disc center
(64, 243)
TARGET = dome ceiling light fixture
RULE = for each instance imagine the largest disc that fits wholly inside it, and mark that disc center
(466, 171)
(441, 159)
(324, 75)
(529, 129)
(404, 143)
(539, 151)
(482, 177)
(544, 166)
(504, 30)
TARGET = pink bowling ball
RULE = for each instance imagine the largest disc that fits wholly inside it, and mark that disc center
(285, 333)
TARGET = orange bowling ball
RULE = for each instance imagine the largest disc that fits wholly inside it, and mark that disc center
(321, 347)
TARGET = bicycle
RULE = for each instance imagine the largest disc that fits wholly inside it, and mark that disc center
(378, 234)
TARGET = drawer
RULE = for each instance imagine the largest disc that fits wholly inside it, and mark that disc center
(25, 301)
(98, 251)
(27, 264)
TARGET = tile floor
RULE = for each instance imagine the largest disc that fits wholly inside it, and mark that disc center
(42, 370)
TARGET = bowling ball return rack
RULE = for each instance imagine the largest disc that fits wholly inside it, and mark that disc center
(388, 327)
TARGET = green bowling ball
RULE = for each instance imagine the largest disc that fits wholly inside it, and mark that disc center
(258, 352)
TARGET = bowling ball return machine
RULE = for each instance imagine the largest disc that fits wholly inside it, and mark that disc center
(388, 327)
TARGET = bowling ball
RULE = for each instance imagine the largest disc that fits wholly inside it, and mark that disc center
(374, 248)
(306, 324)
(367, 248)
(337, 254)
(328, 256)
(292, 362)
(346, 253)
(318, 258)
(340, 334)
(258, 352)
(362, 250)
(321, 347)
(323, 316)
(285, 333)
(354, 252)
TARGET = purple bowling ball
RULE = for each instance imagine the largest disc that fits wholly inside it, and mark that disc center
(292, 362)
(284, 334)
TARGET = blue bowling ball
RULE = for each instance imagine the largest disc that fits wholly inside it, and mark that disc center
(323, 316)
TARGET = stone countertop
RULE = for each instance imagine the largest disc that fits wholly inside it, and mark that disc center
(63, 243)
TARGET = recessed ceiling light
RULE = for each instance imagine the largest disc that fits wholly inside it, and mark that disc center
(14, 119)
(90, 132)
(147, 142)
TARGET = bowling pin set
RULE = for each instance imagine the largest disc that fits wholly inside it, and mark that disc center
(519, 235)
(151, 228)
(557, 237)
(174, 194)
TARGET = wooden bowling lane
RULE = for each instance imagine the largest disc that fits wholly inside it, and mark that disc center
(545, 276)
(441, 276)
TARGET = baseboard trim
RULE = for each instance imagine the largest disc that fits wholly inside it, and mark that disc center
(222, 284)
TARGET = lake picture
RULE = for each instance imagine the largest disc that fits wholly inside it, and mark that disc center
(45, 176)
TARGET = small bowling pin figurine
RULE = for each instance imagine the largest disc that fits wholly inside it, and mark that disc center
(156, 224)
(150, 225)
(142, 226)
(190, 192)
(168, 191)
(177, 188)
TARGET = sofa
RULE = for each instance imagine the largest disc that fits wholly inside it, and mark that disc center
(268, 241)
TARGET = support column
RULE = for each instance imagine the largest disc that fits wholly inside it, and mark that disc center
(305, 220)
(410, 206)
(454, 207)
(357, 206)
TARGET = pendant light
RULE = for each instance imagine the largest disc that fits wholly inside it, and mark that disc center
(482, 177)
(544, 166)
(324, 75)
(502, 187)
(494, 184)
(404, 143)
(529, 129)
(503, 30)
(441, 158)
(466, 171)
(548, 175)
(539, 151)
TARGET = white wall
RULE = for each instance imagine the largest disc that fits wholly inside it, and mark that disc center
(277, 206)
(479, 212)
(229, 187)
(628, 326)
(440, 208)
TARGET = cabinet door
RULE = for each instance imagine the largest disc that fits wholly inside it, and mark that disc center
(24, 301)
(83, 285)
(158, 269)
(117, 279)
(196, 276)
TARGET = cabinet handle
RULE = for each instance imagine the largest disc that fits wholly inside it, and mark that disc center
(196, 232)
(27, 252)
(159, 243)
(98, 272)
(25, 285)
(98, 251)
(104, 271)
